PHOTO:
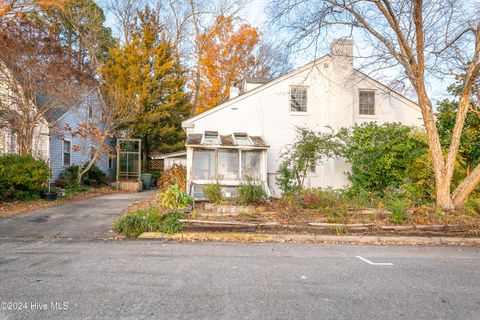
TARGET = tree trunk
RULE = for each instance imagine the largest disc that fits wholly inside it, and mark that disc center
(466, 187)
(443, 197)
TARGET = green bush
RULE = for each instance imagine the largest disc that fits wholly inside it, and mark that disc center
(213, 192)
(22, 177)
(249, 193)
(398, 208)
(174, 198)
(308, 149)
(381, 154)
(94, 177)
(170, 223)
(148, 220)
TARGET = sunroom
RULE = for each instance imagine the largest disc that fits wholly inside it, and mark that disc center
(228, 160)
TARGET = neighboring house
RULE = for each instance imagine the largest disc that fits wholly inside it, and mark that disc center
(242, 138)
(168, 160)
(57, 146)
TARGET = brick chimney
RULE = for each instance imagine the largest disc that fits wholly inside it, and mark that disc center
(342, 52)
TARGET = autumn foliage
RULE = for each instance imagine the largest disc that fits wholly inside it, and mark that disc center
(8, 7)
(228, 56)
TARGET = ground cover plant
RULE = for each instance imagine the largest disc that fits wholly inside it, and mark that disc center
(174, 198)
(149, 219)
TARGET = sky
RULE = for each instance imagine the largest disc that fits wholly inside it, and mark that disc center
(255, 13)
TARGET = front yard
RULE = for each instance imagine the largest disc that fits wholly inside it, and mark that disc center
(327, 215)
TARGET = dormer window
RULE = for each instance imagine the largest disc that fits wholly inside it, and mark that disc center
(298, 99)
(242, 139)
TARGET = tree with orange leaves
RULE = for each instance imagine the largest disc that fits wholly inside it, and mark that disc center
(228, 56)
(10, 7)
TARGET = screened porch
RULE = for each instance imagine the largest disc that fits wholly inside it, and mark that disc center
(229, 160)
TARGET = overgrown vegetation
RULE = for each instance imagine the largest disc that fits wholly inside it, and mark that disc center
(308, 150)
(149, 219)
(390, 168)
(176, 175)
(213, 193)
(94, 177)
(22, 177)
(174, 198)
(250, 193)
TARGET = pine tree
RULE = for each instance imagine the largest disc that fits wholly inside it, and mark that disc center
(147, 69)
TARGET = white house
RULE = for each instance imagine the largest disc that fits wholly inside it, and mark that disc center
(243, 137)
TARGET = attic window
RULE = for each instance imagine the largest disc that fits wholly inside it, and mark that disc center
(211, 137)
(366, 103)
(298, 99)
(242, 139)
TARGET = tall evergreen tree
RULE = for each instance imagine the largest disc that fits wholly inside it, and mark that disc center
(148, 70)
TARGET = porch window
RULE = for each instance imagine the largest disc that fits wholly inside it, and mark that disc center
(251, 165)
(228, 164)
(204, 165)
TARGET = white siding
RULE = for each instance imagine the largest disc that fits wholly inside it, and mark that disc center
(333, 87)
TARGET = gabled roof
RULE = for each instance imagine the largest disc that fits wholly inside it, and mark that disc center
(255, 90)
(52, 114)
(188, 122)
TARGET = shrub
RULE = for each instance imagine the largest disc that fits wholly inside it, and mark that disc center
(398, 208)
(74, 189)
(147, 220)
(94, 177)
(21, 176)
(62, 183)
(176, 175)
(249, 193)
(170, 222)
(380, 154)
(174, 198)
(213, 192)
(309, 149)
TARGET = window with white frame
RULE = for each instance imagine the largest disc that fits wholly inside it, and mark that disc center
(366, 100)
(67, 153)
(228, 164)
(204, 165)
(252, 165)
(242, 139)
(298, 99)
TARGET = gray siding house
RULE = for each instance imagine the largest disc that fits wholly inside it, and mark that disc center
(56, 145)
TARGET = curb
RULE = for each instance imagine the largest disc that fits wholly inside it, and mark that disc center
(311, 238)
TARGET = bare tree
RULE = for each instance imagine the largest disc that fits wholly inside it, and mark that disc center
(422, 37)
(36, 77)
(125, 12)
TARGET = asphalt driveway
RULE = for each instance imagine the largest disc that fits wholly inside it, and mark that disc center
(84, 219)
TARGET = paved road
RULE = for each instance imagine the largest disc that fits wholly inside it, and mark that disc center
(157, 280)
(86, 219)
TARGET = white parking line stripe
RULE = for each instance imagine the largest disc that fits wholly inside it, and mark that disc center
(374, 263)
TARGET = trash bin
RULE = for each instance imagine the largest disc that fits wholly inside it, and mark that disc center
(147, 181)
